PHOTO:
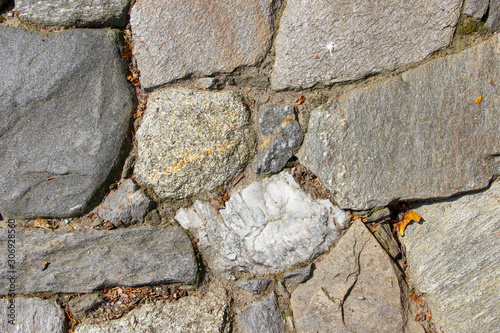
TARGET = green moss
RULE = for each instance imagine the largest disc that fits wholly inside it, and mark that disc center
(468, 26)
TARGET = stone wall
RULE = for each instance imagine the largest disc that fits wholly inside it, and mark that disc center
(211, 166)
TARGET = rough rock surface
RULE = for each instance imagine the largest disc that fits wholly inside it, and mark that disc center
(76, 12)
(188, 314)
(191, 141)
(255, 286)
(298, 275)
(267, 226)
(330, 41)
(342, 297)
(476, 8)
(279, 138)
(127, 205)
(493, 21)
(81, 262)
(453, 257)
(262, 316)
(81, 305)
(418, 135)
(173, 39)
(65, 104)
(33, 315)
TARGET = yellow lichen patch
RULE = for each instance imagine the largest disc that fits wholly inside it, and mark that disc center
(208, 152)
(265, 141)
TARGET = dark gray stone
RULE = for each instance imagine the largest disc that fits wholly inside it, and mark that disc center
(263, 316)
(297, 276)
(32, 315)
(174, 38)
(192, 141)
(65, 106)
(188, 314)
(493, 21)
(127, 205)
(328, 41)
(209, 83)
(355, 288)
(280, 137)
(476, 8)
(82, 13)
(81, 262)
(82, 305)
(454, 259)
(255, 286)
(420, 134)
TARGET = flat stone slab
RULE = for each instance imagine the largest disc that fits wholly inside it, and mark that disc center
(476, 8)
(188, 314)
(81, 262)
(31, 315)
(82, 13)
(65, 109)
(330, 41)
(192, 141)
(267, 226)
(421, 134)
(174, 38)
(355, 288)
(454, 259)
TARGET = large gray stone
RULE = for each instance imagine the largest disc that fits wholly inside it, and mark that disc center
(267, 226)
(454, 259)
(493, 21)
(173, 38)
(188, 314)
(75, 12)
(327, 41)
(65, 105)
(127, 205)
(81, 262)
(262, 316)
(279, 138)
(355, 288)
(476, 8)
(418, 135)
(191, 141)
(31, 315)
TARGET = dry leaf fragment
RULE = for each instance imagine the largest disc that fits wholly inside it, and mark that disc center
(317, 57)
(478, 100)
(416, 299)
(300, 100)
(407, 219)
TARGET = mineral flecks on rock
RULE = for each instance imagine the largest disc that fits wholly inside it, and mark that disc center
(267, 226)
(421, 134)
(279, 138)
(192, 141)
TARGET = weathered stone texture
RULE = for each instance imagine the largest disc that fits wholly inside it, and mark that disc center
(82, 13)
(418, 135)
(192, 141)
(355, 288)
(33, 315)
(188, 314)
(327, 41)
(493, 21)
(81, 262)
(454, 259)
(262, 316)
(476, 8)
(255, 286)
(173, 39)
(267, 226)
(279, 138)
(127, 205)
(65, 105)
